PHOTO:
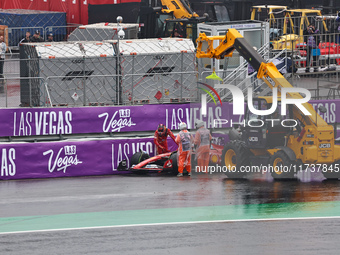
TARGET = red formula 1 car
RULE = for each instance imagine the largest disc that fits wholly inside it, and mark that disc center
(142, 163)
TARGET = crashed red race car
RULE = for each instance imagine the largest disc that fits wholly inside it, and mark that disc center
(141, 162)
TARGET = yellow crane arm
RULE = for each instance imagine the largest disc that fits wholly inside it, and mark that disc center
(179, 8)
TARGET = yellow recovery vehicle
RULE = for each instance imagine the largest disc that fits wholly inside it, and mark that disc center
(310, 144)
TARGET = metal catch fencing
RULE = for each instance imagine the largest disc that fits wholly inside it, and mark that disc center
(80, 87)
(161, 78)
(55, 81)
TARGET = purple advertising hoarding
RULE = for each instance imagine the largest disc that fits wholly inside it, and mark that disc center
(55, 121)
(69, 158)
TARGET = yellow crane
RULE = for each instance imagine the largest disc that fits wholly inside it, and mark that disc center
(310, 144)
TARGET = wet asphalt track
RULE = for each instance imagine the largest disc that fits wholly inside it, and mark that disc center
(204, 214)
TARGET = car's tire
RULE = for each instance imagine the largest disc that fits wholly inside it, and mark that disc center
(173, 157)
(332, 175)
(279, 159)
(235, 155)
(138, 157)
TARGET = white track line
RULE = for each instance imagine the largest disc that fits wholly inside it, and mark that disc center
(171, 223)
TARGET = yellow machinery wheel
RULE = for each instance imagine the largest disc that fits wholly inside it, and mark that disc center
(235, 155)
(230, 159)
(283, 167)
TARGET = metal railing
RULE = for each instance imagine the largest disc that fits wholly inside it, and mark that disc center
(318, 48)
(13, 35)
(60, 33)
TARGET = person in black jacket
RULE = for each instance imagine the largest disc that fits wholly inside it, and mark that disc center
(50, 38)
(312, 42)
(26, 39)
(36, 37)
